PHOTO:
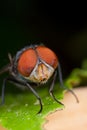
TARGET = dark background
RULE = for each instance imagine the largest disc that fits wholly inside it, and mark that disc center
(60, 26)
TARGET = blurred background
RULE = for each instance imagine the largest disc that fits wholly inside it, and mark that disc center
(61, 28)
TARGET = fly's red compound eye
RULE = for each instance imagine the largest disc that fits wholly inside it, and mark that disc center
(27, 62)
(48, 56)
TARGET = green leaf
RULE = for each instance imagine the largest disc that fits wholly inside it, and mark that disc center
(19, 110)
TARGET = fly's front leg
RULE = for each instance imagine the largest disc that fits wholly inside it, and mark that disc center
(3, 91)
(62, 84)
(51, 89)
